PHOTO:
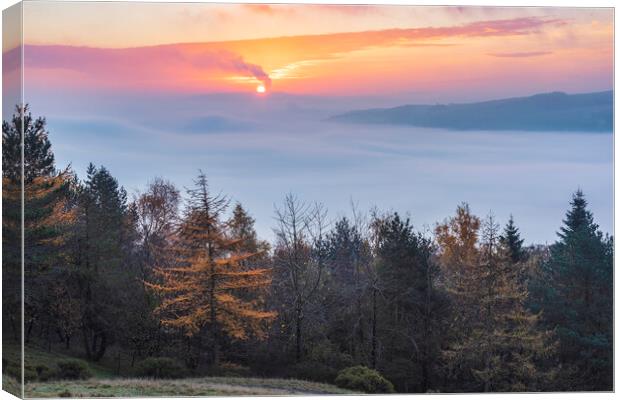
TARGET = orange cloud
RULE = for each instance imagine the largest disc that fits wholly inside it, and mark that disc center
(217, 65)
(521, 54)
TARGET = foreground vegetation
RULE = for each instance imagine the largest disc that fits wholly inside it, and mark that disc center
(207, 386)
(102, 381)
(164, 286)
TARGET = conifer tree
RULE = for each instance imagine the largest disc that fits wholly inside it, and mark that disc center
(103, 238)
(512, 242)
(578, 297)
(347, 289)
(38, 156)
(46, 217)
(410, 331)
(200, 291)
(241, 227)
(499, 343)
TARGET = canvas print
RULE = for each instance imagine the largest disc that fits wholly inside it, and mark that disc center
(213, 199)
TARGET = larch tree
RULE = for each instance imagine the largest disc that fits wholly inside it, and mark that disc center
(498, 342)
(200, 290)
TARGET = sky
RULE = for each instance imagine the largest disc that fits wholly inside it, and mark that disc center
(163, 89)
(317, 49)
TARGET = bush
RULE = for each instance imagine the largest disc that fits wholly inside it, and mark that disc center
(72, 369)
(230, 369)
(31, 373)
(45, 373)
(363, 379)
(327, 353)
(313, 371)
(160, 368)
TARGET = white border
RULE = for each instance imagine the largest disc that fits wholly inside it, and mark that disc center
(504, 3)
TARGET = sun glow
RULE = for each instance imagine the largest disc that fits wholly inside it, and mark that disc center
(261, 89)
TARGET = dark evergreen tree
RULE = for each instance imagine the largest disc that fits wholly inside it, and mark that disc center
(38, 156)
(512, 242)
(409, 328)
(102, 257)
(241, 227)
(577, 300)
(46, 216)
(347, 290)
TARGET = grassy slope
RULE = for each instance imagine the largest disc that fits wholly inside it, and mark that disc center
(207, 386)
(34, 356)
(103, 383)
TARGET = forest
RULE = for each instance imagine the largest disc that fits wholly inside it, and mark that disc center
(177, 282)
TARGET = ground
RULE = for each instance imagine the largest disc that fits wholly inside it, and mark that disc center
(208, 386)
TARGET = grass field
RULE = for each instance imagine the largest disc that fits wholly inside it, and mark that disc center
(105, 384)
(208, 386)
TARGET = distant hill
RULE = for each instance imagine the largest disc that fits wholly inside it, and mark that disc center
(557, 111)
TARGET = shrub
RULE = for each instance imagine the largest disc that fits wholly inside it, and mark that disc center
(313, 371)
(38, 372)
(230, 369)
(363, 379)
(14, 371)
(72, 369)
(160, 368)
(327, 353)
(45, 373)
(30, 375)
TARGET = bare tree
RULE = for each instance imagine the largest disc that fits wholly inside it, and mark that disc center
(299, 257)
(157, 211)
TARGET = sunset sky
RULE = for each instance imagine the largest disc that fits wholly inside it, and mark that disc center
(163, 89)
(317, 49)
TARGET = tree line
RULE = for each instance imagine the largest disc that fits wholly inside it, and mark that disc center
(465, 307)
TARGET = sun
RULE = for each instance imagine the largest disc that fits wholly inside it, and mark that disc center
(261, 89)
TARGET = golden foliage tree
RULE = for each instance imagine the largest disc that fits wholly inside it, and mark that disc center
(497, 340)
(200, 292)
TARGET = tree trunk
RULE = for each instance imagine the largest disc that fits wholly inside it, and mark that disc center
(86, 343)
(298, 338)
(213, 319)
(373, 353)
(103, 343)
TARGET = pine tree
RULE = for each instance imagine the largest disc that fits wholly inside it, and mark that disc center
(46, 217)
(199, 293)
(241, 227)
(103, 239)
(512, 242)
(38, 156)
(579, 298)
(410, 330)
(347, 289)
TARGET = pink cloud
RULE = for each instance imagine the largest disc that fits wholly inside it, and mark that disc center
(521, 54)
(140, 64)
(194, 66)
